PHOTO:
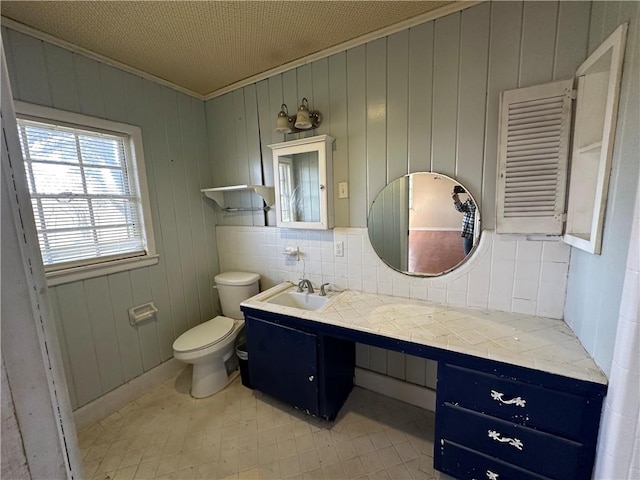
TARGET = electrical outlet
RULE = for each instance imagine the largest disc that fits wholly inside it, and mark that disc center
(338, 249)
(343, 190)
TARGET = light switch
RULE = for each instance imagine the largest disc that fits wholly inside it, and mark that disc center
(343, 190)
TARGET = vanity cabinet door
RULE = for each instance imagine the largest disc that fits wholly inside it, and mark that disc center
(283, 363)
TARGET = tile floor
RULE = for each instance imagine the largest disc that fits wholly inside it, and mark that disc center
(242, 434)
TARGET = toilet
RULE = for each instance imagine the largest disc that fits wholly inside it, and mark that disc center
(210, 345)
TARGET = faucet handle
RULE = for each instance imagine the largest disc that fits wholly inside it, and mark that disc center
(300, 285)
(322, 290)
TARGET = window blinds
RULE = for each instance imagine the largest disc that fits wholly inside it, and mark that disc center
(85, 200)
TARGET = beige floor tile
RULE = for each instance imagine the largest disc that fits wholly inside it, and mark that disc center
(353, 468)
(328, 456)
(248, 460)
(379, 440)
(207, 471)
(406, 451)
(146, 470)
(346, 450)
(268, 455)
(245, 435)
(363, 445)
(399, 472)
(383, 475)
(290, 466)
(372, 462)
(309, 461)
(305, 443)
(270, 471)
(317, 474)
(126, 473)
(168, 464)
(389, 457)
(335, 471)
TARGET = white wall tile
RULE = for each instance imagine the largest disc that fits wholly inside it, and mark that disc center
(504, 248)
(529, 251)
(437, 295)
(556, 252)
(551, 297)
(505, 273)
(501, 290)
(527, 307)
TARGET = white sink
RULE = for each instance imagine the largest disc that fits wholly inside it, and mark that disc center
(301, 300)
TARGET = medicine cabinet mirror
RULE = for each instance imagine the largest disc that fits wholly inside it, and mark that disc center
(303, 177)
(415, 227)
(594, 132)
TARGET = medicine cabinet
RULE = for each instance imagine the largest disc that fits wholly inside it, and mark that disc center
(303, 178)
(536, 125)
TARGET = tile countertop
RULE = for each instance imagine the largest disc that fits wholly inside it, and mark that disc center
(539, 343)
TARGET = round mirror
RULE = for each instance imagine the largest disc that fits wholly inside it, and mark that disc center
(424, 224)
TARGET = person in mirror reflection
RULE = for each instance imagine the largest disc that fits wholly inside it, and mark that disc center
(468, 208)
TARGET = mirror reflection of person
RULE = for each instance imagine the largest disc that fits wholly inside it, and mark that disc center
(468, 208)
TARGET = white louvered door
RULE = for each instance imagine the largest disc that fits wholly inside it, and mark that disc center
(534, 136)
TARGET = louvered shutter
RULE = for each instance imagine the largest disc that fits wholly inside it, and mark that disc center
(534, 135)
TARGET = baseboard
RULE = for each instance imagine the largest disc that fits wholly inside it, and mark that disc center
(410, 393)
(114, 400)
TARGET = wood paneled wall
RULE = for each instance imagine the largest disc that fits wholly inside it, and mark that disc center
(100, 349)
(423, 99)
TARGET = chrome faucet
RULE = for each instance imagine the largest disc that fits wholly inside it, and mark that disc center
(304, 282)
(323, 292)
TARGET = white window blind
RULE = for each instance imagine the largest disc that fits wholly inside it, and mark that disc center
(535, 125)
(84, 193)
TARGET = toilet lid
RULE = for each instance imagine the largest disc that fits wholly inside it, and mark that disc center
(204, 335)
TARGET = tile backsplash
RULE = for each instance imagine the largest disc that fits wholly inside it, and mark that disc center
(505, 273)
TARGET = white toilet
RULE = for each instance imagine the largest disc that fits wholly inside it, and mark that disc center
(210, 345)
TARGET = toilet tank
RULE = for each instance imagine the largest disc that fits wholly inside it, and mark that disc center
(233, 288)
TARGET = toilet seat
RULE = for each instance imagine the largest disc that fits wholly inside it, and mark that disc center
(204, 335)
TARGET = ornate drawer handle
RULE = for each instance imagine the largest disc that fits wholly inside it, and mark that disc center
(518, 401)
(492, 476)
(514, 442)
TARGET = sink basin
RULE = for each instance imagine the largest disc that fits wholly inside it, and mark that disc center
(301, 300)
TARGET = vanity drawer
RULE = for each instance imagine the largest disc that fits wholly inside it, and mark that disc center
(466, 464)
(533, 450)
(545, 409)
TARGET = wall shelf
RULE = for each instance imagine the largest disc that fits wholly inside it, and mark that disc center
(217, 194)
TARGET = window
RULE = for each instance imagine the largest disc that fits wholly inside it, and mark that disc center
(88, 193)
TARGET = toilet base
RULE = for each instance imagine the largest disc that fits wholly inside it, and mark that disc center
(209, 378)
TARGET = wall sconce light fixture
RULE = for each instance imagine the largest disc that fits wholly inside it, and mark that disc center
(301, 121)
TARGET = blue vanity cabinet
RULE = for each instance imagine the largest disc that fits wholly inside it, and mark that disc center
(307, 370)
(497, 421)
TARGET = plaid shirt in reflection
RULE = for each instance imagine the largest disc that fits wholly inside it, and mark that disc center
(469, 210)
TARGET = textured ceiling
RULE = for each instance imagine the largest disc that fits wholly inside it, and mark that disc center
(206, 45)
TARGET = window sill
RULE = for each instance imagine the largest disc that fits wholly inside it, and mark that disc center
(84, 272)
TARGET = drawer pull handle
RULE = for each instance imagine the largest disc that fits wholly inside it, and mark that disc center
(492, 476)
(311, 377)
(518, 401)
(514, 442)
